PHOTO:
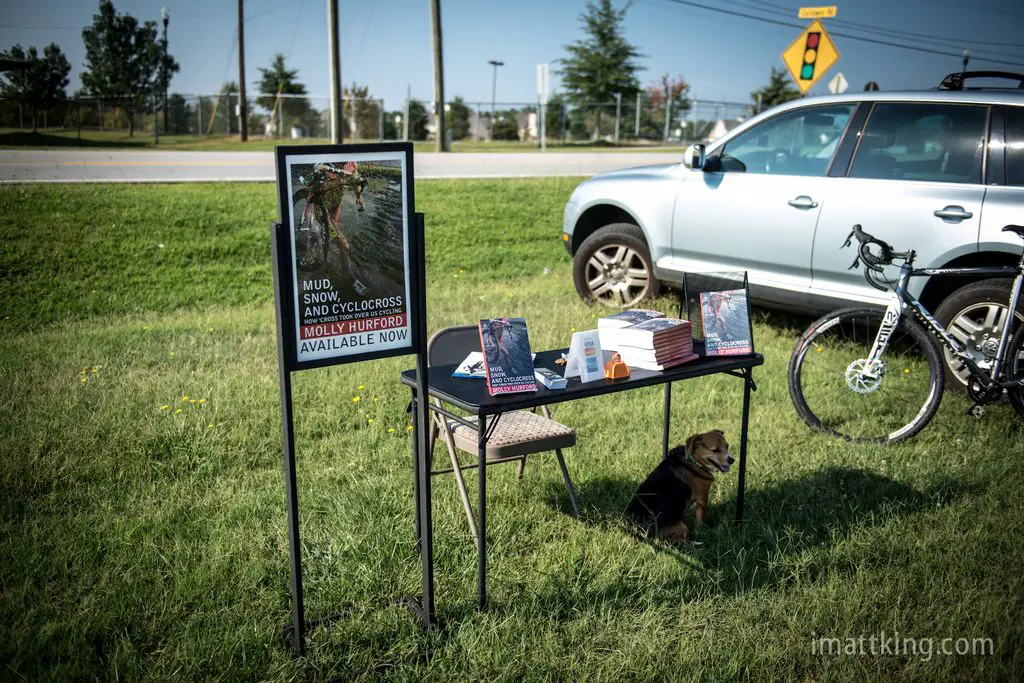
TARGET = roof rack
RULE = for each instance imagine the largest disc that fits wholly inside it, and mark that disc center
(955, 80)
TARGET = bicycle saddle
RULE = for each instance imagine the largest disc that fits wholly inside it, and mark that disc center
(1017, 230)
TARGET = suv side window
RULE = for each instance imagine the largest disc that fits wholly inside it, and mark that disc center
(1015, 146)
(922, 141)
(799, 142)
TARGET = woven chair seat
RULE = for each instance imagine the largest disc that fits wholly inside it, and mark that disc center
(518, 433)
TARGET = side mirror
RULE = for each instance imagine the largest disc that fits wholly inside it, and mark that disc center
(695, 157)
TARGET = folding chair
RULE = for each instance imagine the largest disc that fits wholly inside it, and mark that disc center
(517, 434)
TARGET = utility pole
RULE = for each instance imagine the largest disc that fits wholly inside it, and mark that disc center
(494, 89)
(337, 134)
(435, 16)
(166, 16)
(243, 114)
(618, 116)
(966, 57)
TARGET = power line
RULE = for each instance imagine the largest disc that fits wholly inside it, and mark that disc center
(864, 39)
(898, 33)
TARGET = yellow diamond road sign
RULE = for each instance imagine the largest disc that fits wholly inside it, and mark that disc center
(810, 56)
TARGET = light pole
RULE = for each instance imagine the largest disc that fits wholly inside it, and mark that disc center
(166, 16)
(494, 89)
(966, 57)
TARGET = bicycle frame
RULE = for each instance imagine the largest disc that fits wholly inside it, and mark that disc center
(901, 299)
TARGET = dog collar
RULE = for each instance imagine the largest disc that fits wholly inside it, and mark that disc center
(691, 464)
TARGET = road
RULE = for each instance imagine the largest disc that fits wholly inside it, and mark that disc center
(123, 166)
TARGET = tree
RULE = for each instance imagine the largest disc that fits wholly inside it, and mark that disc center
(178, 113)
(417, 120)
(777, 91)
(41, 85)
(506, 126)
(123, 59)
(668, 92)
(603, 64)
(459, 119)
(280, 79)
(363, 110)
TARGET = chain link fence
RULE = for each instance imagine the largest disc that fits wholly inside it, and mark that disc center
(631, 121)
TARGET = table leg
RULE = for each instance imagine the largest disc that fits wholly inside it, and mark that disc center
(748, 381)
(665, 427)
(481, 566)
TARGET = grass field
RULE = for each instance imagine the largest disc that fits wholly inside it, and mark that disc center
(142, 514)
(61, 139)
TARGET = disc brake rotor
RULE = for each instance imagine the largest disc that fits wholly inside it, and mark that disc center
(858, 379)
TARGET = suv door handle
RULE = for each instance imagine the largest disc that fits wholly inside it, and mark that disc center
(953, 213)
(803, 202)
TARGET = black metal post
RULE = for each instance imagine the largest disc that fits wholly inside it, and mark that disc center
(748, 382)
(417, 494)
(481, 565)
(423, 470)
(298, 634)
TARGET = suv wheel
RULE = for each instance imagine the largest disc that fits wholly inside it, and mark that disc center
(975, 315)
(613, 267)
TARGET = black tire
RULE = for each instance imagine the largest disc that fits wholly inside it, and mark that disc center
(1015, 370)
(613, 267)
(974, 315)
(889, 409)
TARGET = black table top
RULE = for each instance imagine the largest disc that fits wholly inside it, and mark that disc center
(471, 395)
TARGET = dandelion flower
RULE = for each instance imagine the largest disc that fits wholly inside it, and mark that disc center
(145, 328)
(355, 399)
(572, 329)
(171, 354)
(361, 387)
(391, 430)
(177, 411)
(209, 426)
(369, 420)
(376, 398)
(202, 400)
(408, 428)
(165, 407)
(184, 398)
(83, 380)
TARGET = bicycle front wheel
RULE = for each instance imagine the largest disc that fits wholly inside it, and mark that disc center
(1015, 370)
(835, 391)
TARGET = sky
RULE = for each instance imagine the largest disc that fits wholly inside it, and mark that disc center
(386, 44)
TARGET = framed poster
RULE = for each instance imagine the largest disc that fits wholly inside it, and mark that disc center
(345, 256)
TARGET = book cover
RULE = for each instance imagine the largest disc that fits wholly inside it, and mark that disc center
(508, 363)
(726, 323)
(627, 318)
(472, 366)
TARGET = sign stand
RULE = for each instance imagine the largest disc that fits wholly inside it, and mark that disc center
(314, 262)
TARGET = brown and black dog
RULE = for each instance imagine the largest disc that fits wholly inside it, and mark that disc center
(684, 477)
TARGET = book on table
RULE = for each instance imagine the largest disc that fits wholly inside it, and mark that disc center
(607, 326)
(508, 363)
(653, 333)
(726, 323)
(550, 378)
(472, 366)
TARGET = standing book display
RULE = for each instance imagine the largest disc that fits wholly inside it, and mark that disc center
(717, 305)
(585, 359)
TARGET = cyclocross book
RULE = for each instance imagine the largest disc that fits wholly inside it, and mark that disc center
(508, 363)
(726, 323)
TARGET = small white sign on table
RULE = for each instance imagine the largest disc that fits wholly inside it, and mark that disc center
(585, 360)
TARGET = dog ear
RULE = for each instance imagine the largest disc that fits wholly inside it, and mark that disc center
(692, 442)
(718, 431)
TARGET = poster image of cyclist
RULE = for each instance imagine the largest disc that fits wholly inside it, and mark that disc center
(349, 221)
(726, 322)
(508, 361)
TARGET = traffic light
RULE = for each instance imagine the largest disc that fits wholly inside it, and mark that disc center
(810, 56)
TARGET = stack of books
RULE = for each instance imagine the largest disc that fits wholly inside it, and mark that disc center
(656, 344)
(608, 326)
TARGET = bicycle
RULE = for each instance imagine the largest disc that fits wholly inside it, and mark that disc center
(870, 375)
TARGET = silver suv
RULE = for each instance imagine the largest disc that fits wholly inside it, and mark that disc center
(940, 172)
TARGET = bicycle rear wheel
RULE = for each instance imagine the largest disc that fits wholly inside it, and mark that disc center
(833, 390)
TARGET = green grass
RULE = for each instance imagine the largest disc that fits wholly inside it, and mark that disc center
(60, 139)
(140, 542)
